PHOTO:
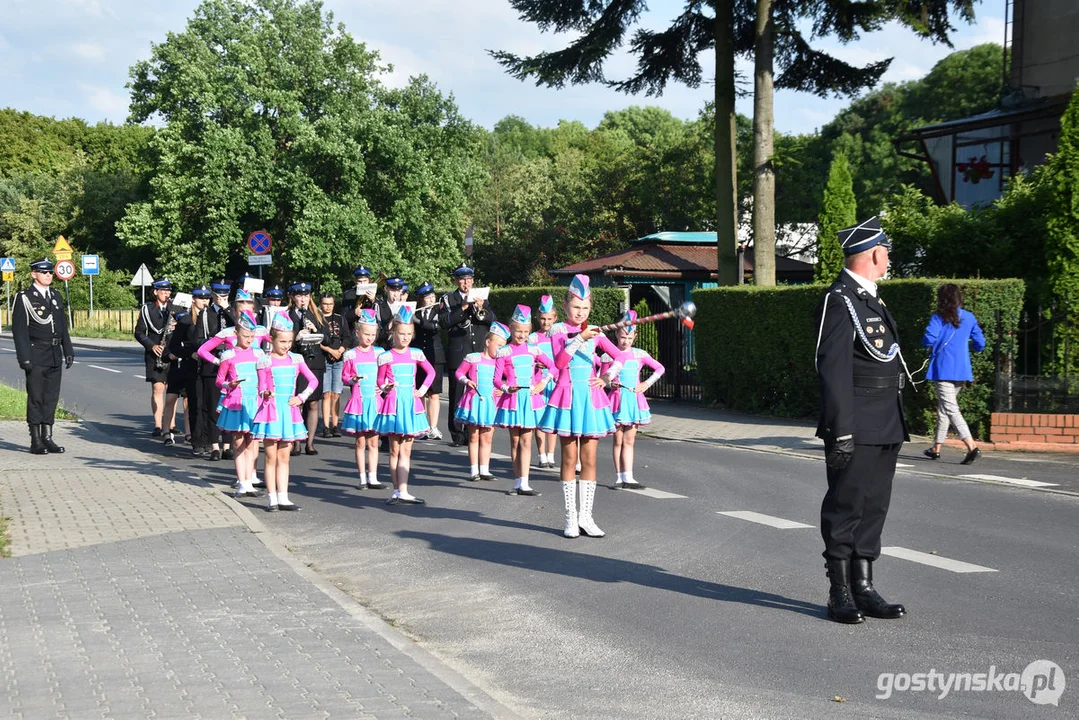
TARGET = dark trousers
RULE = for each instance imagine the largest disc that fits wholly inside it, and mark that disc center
(42, 394)
(457, 390)
(856, 504)
(207, 395)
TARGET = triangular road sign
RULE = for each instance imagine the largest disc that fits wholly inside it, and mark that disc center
(62, 246)
(142, 277)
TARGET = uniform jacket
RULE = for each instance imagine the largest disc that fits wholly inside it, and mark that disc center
(873, 415)
(311, 354)
(207, 326)
(950, 347)
(185, 341)
(466, 329)
(152, 325)
(382, 312)
(39, 328)
(428, 335)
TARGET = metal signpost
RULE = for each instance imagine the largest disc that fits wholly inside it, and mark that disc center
(7, 266)
(89, 269)
(259, 243)
(142, 279)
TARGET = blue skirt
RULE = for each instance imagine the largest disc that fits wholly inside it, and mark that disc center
(629, 410)
(405, 421)
(283, 429)
(240, 420)
(520, 414)
(581, 419)
(365, 422)
(481, 413)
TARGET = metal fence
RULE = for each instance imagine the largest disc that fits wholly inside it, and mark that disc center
(1037, 373)
(674, 348)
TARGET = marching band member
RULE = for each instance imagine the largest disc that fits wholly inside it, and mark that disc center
(628, 403)
(522, 384)
(428, 338)
(151, 331)
(578, 411)
(476, 411)
(307, 320)
(400, 416)
(183, 378)
(467, 325)
(545, 318)
(360, 372)
(278, 422)
(237, 377)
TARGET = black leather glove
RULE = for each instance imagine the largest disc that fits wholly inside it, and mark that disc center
(69, 360)
(840, 453)
(26, 364)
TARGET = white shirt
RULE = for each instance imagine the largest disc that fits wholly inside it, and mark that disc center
(42, 290)
(870, 287)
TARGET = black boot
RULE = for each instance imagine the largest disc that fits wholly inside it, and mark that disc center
(46, 437)
(37, 445)
(866, 597)
(841, 607)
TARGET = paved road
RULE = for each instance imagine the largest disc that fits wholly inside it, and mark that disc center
(689, 607)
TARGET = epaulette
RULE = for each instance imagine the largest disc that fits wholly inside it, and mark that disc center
(473, 358)
(504, 351)
(385, 358)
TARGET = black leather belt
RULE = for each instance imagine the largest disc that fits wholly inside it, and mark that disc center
(54, 342)
(869, 381)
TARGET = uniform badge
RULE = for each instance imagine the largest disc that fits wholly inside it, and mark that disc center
(879, 343)
(881, 329)
(869, 329)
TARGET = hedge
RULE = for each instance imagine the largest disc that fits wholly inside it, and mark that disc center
(755, 346)
(606, 301)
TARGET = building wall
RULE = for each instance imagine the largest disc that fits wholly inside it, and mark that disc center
(1045, 47)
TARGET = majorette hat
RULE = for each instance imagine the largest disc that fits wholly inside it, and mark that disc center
(500, 330)
(404, 314)
(522, 314)
(246, 320)
(281, 321)
(546, 304)
(243, 296)
(580, 287)
(630, 315)
(367, 317)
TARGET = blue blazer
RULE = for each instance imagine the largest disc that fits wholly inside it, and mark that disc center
(950, 347)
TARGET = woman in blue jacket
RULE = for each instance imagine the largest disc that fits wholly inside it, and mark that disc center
(950, 333)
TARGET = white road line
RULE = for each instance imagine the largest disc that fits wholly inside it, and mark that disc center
(1011, 481)
(768, 520)
(657, 494)
(7, 349)
(903, 465)
(141, 377)
(98, 367)
(956, 566)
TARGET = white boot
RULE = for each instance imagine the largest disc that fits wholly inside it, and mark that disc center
(569, 494)
(588, 494)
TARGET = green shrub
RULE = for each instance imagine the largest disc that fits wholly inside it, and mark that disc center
(755, 346)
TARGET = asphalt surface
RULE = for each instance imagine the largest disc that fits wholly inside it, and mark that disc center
(680, 611)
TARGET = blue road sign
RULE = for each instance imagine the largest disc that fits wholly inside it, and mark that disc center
(7, 264)
(259, 242)
(90, 265)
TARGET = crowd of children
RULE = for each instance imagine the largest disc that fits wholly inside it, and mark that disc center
(565, 380)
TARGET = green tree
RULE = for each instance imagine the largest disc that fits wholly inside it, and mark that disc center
(275, 119)
(1062, 226)
(838, 211)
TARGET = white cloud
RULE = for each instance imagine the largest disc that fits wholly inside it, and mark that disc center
(89, 51)
(111, 104)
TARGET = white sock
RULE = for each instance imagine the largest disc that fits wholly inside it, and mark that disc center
(475, 470)
(629, 477)
(485, 469)
(372, 478)
(405, 495)
(523, 483)
(550, 458)
(363, 478)
(396, 493)
(519, 483)
(282, 498)
(272, 498)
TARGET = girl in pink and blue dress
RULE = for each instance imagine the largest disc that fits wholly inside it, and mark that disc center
(401, 416)
(279, 422)
(628, 403)
(545, 319)
(579, 411)
(521, 373)
(237, 378)
(360, 372)
(477, 407)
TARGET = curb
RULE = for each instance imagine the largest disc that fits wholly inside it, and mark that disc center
(451, 677)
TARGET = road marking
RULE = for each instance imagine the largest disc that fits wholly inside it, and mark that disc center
(141, 377)
(98, 367)
(657, 494)
(7, 349)
(768, 520)
(903, 465)
(956, 566)
(1011, 481)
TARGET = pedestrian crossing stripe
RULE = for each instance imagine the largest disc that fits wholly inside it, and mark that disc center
(657, 494)
(956, 566)
(763, 519)
(1022, 482)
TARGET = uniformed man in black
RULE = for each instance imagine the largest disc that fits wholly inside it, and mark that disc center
(151, 331)
(183, 378)
(42, 344)
(352, 303)
(861, 373)
(467, 325)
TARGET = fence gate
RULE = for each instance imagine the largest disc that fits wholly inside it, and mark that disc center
(673, 347)
(1037, 372)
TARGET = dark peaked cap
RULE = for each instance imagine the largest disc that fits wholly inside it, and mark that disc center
(863, 237)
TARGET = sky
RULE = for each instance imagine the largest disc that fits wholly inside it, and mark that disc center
(71, 58)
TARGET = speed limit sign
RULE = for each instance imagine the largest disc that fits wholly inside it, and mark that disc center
(65, 270)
